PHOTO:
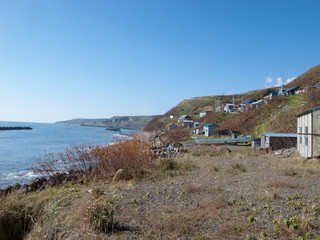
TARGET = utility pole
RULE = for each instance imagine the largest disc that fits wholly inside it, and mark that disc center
(282, 85)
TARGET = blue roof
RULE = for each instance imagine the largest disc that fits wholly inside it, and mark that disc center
(279, 134)
(210, 124)
(249, 101)
(290, 89)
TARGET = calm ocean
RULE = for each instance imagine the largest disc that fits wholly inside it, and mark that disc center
(19, 149)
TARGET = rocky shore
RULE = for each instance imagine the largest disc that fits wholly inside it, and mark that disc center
(43, 183)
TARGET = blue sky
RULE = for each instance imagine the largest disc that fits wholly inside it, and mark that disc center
(93, 59)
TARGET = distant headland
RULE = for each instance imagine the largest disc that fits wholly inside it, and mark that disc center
(115, 123)
(15, 128)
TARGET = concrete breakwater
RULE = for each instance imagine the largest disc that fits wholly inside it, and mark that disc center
(15, 128)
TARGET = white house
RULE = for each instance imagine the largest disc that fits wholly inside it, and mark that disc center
(308, 129)
(228, 107)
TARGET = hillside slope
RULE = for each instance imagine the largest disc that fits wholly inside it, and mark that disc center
(279, 115)
(309, 78)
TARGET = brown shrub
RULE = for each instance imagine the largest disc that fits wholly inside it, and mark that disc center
(133, 156)
(175, 136)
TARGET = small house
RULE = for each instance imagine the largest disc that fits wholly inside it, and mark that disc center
(204, 113)
(275, 141)
(171, 126)
(308, 129)
(187, 123)
(287, 92)
(228, 107)
(183, 117)
(210, 129)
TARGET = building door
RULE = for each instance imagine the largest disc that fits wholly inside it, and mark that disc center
(306, 146)
(300, 145)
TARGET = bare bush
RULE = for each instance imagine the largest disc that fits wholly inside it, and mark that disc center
(175, 136)
(133, 156)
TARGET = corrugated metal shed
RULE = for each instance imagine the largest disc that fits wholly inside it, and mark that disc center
(309, 111)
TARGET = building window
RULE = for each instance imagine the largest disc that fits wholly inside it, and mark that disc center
(300, 140)
(306, 141)
(306, 130)
(300, 130)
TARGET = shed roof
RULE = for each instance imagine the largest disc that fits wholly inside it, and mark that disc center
(249, 101)
(210, 124)
(309, 111)
(279, 134)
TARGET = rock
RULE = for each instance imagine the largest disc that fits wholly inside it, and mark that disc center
(23, 189)
(7, 190)
(36, 184)
(118, 176)
(16, 186)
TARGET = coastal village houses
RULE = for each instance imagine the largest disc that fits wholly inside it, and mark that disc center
(308, 129)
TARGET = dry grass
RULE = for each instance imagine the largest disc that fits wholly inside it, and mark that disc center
(282, 184)
(198, 204)
(212, 151)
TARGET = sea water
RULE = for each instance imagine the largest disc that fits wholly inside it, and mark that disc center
(20, 149)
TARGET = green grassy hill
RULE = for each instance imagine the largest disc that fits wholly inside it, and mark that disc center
(279, 115)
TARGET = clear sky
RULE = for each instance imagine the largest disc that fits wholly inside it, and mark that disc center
(63, 59)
